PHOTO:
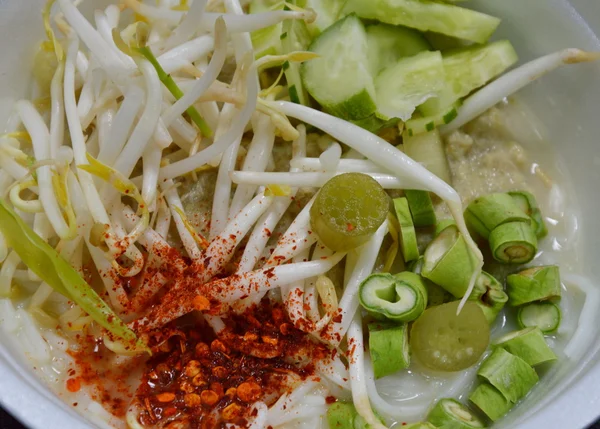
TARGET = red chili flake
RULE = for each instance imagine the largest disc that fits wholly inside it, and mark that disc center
(330, 400)
(350, 227)
(73, 385)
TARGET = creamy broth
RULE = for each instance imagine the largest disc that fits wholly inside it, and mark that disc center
(504, 149)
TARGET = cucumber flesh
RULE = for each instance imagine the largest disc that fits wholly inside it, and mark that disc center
(428, 150)
(266, 41)
(416, 126)
(340, 79)
(468, 69)
(409, 83)
(295, 37)
(327, 13)
(427, 15)
(388, 43)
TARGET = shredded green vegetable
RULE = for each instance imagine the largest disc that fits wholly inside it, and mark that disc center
(47, 264)
(165, 78)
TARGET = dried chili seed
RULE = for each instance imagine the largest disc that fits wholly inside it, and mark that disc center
(165, 397)
(220, 372)
(231, 392)
(285, 328)
(192, 368)
(270, 340)
(250, 336)
(218, 346)
(192, 400)
(209, 398)
(186, 387)
(202, 349)
(249, 391)
(199, 380)
(232, 412)
(217, 388)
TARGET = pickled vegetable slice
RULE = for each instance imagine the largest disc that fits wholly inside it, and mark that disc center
(348, 210)
(444, 341)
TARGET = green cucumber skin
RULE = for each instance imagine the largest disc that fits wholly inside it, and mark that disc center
(427, 15)
(358, 107)
(407, 84)
(335, 97)
(468, 69)
(266, 41)
(388, 43)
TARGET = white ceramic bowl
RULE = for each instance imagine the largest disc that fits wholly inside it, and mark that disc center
(568, 102)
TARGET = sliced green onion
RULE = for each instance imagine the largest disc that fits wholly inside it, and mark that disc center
(486, 213)
(527, 202)
(47, 264)
(436, 295)
(489, 295)
(388, 347)
(341, 415)
(543, 315)
(490, 401)
(442, 225)
(533, 284)
(449, 262)
(408, 235)
(449, 413)
(401, 297)
(508, 373)
(528, 344)
(174, 89)
(513, 243)
(421, 207)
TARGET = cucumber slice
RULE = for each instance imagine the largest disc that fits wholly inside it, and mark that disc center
(428, 150)
(266, 41)
(468, 69)
(427, 16)
(416, 126)
(374, 123)
(388, 43)
(441, 42)
(408, 235)
(295, 37)
(327, 13)
(410, 82)
(421, 207)
(340, 79)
